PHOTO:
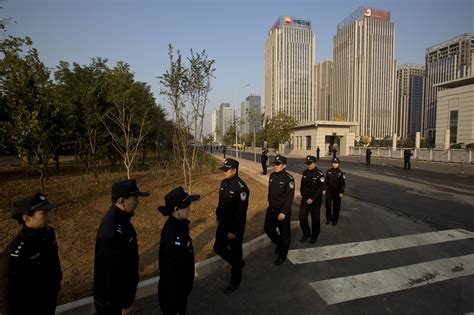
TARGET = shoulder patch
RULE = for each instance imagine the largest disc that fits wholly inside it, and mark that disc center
(321, 179)
(292, 185)
(243, 196)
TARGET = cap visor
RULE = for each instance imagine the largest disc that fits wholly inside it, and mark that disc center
(309, 162)
(225, 168)
(194, 197)
(48, 206)
(142, 194)
(277, 163)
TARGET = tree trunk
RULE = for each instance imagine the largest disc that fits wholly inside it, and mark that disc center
(42, 176)
(56, 158)
(145, 149)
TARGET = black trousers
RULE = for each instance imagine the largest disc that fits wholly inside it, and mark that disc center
(231, 251)
(180, 309)
(107, 309)
(333, 206)
(264, 167)
(313, 209)
(282, 239)
(367, 161)
(406, 165)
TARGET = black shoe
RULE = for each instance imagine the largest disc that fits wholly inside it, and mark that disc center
(229, 289)
(304, 238)
(334, 223)
(313, 240)
(279, 261)
(277, 251)
(328, 222)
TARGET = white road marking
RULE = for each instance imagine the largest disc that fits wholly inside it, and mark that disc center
(314, 254)
(349, 288)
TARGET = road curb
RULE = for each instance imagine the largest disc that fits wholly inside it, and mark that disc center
(149, 287)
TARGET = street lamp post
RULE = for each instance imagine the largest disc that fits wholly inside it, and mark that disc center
(235, 121)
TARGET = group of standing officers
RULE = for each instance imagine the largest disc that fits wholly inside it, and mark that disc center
(31, 267)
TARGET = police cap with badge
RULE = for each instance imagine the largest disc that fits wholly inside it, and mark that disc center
(229, 164)
(310, 160)
(30, 204)
(179, 198)
(127, 188)
(279, 159)
(335, 160)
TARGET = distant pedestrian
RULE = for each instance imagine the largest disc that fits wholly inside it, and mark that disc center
(211, 148)
(335, 180)
(264, 160)
(31, 267)
(317, 153)
(368, 153)
(281, 192)
(176, 255)
(334, 152)
(116, 252)
(406, 159)
(231, 213)
(311, 189)
(224, 151)
(330, 149)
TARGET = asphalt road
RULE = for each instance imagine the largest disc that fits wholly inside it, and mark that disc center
(408, 239)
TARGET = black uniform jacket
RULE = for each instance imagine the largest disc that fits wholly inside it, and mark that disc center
(312, 184)
(335, 180)
(281, 191)
(116, 260)
(233, 203)
(31, 271)
(176, 261)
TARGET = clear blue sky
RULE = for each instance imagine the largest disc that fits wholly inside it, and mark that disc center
(233, 32)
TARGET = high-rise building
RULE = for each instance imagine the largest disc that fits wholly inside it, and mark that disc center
(410, 82)
(250, 111)
(364, 72)
(290, 57)
(323, 90)
(447, 61)
(227, 116)
(215, 120)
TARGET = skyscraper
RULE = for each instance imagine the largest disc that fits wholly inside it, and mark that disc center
(290, 57)
(410, 82)
(447, 61)
(215, 120)
(227, 116)
(364, 72)
(250, 111)
(323, 90)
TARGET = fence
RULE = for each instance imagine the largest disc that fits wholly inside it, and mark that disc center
(436, 155)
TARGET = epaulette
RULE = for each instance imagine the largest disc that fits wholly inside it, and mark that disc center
(240, 184)
(289, 175)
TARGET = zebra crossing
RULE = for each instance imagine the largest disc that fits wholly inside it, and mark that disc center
(343, 289)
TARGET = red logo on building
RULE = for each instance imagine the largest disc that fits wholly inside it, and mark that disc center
(367, 12)
(288, 20)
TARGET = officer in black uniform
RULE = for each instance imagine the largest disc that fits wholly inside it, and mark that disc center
(368, 153)
(224, 149)
(335, 184)
(406, 159)
(281, 192)
(263, 160)
(31, 270)
(116, 252)
(231, 216)
(318, 151)
(311, 189)
(176, 256)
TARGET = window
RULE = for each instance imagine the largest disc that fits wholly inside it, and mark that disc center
(308, 142)
(453, 126)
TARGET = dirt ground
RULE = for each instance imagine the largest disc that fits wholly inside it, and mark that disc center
(82, 204)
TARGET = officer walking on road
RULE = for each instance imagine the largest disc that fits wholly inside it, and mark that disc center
(116, 252)
(176, 256)
(281, 192)
(406, 159)
(368, 153)
(231, 216)
(224, 149)
(311, 189)
(264, 160)
(335, 183)
(31, 271)
(318, 151)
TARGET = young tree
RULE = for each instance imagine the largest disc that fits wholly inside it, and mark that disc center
(279, 128)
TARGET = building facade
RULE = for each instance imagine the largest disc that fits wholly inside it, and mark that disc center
(289, 60)
(250, 111)
(215, 120)
(447, 61)
(364, 72)
(410, 84)
(455, 112)
(323, 82)
(227, 118)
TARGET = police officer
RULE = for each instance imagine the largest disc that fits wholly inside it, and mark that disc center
(264, 160)
(281, 192)
(176, 256)
(224, 149)
(116, 252)
(311, 189)
(31, 267)
(335, 184)
(406, 159)
(231, 215)
(318, 151)
(368, 153)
